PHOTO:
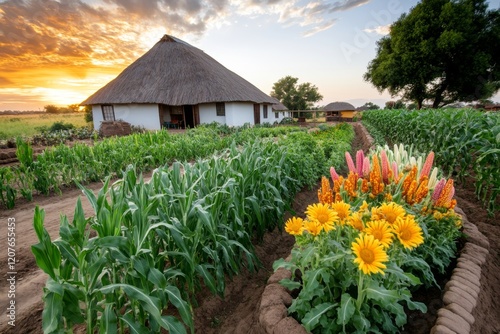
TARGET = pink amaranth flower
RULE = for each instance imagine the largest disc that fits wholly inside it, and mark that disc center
(360, 157)
(426, 169)
(437, 190)
(366, 167)
(385, 167)
(334, 174)
(350, 163)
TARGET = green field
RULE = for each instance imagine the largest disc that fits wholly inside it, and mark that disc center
(27, 125)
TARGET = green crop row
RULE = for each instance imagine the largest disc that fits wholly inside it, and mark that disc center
(151, 246)
(61, 166)
(466, 143)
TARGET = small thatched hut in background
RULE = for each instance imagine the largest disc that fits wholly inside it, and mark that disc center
(340, 110)
(177, 85)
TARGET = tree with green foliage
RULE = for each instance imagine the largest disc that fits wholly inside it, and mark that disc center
(295, 96)
(73, 108)
(89, 117)
(51, 109)
(442, 51)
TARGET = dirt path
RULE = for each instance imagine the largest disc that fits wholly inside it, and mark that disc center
(29, 279)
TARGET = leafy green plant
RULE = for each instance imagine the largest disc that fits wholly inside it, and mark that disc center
(151, 246)
(7, 192)
(466, 142)
(105, 281)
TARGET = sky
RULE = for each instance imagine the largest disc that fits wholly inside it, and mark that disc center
(61, 52)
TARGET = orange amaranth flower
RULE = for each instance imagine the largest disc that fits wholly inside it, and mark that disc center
(422, 189)
(445, 197)
(337, 184)
(376, 177)
(325, 195)
(350, 184)
(365, 187)
(410, 186)
(410, 194)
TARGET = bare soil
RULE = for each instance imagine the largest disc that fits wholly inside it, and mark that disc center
(238, 311)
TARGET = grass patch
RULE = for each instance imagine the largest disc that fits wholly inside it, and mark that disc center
(12, 126)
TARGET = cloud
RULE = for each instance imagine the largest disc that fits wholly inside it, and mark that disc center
(315, 16)
(346, 5)
(42, 41)
(380, 30)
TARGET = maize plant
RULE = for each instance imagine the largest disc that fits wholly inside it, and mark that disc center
(152, 246)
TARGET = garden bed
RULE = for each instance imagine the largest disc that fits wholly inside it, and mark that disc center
(459, 296)
(239, 311)
(449, 310)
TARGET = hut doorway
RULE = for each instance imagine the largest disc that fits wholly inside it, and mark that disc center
(256, 113)
(189, 116)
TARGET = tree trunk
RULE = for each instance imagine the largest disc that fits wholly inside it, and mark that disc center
(419, 104)
(439, 95)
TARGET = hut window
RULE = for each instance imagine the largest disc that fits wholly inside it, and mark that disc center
(276, 115)
(221, 109)
(265, 111)
(108, 113)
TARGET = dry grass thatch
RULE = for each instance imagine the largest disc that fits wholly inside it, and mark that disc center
(175, 73)
(339, 106)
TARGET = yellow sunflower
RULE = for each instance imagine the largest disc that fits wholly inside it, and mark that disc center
(388, 211)
(294, 226)
(364, 208)
(356, 221)
(408, 232)
(342, 209)
(381, 231)
(369, 254)
(313, 227)
(325, 216)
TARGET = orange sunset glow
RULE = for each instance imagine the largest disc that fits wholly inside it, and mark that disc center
(60, 52)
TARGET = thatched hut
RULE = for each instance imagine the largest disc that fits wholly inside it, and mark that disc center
(342, 110)
(177, 85)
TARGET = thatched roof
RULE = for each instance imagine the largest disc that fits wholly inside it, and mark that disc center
(279, 107)
(339, 106)
(175, 73)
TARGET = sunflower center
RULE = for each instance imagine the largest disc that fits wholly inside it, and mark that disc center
(390, 217)
(323, 217)
(367, 255)
(405, 235)
(377, 234)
